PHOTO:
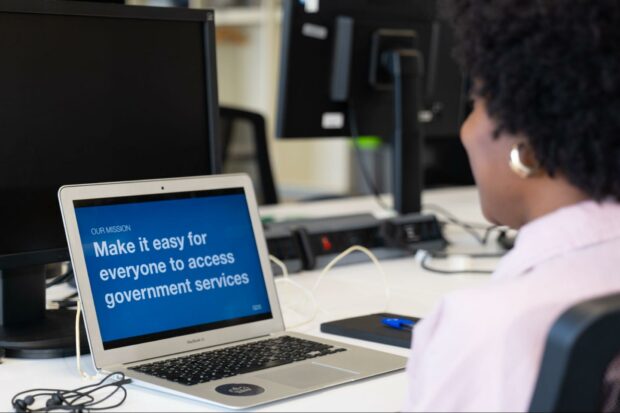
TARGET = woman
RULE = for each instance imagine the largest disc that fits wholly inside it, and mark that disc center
(543, 141)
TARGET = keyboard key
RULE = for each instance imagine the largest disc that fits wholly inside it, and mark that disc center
(231, 361)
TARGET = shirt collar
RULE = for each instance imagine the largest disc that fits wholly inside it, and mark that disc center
(567, 229)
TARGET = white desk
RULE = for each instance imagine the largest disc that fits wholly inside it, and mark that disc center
(346, 291)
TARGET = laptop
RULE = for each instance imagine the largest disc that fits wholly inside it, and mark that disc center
(177, 293)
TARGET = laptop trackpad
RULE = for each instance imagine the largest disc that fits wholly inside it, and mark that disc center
(308, 376)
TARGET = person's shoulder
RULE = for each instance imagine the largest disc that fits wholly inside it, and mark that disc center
(532, 301)
(494, 303)
(476, 315)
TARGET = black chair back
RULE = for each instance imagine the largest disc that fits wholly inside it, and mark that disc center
(581, 346)
(245, 149)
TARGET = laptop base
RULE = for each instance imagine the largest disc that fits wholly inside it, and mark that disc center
(274, 384)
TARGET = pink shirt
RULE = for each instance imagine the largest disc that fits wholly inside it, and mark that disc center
(480, 349)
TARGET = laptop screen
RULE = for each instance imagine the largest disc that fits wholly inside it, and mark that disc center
(162, 266)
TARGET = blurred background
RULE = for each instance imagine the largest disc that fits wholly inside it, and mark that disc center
(248, 52)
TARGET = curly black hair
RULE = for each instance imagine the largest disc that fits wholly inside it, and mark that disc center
(550, 70)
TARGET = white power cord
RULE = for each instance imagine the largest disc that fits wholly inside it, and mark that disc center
(78, 346)
(312, 293)
(286, 279)
(373, 258)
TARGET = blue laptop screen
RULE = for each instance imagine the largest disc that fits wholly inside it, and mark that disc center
(161, 266)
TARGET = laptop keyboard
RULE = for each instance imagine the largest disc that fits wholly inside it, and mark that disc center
(232, 361)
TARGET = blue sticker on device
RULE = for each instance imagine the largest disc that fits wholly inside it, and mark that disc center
(240, 390)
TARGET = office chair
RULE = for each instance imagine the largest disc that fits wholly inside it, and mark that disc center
(580, 348)
(244, 149)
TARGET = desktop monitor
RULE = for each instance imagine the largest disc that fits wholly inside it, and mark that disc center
(333, 55)
(91, 92)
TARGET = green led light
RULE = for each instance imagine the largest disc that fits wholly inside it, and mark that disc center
(369, 143)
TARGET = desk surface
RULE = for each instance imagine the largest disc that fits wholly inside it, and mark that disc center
(414, 292)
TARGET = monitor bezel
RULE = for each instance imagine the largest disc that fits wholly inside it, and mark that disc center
(183, 343)
(66, 8)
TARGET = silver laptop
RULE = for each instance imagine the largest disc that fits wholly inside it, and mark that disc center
(177, 292)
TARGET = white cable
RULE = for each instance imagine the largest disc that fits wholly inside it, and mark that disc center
(286, 279)
(373, 258)
(78, 346)
(280, 264)
(311, 293)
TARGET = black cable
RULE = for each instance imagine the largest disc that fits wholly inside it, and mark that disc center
(100, 386)
(92, 407)
(69, 297)
(66, 304)
(79, 399)
(60, 279)
(370, 183)
(470, 228)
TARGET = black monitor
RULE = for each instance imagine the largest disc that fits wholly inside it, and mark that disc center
(335, 66)
(91, 93)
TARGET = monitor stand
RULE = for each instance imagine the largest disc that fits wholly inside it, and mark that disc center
(396, 66)
(27, 329)
(405, 67)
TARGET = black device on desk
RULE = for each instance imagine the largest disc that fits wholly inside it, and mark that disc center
(374, 328)
(325, 238)
(367, 67)
(328, 237)
(284, 243)
(314, 243)
(90, 93)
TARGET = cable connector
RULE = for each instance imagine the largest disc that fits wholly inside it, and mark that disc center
(421, 256)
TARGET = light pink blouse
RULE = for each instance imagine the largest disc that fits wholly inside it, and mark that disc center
(480, 349)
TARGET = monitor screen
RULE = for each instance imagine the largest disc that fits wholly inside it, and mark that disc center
(146, 255)
(92, 93)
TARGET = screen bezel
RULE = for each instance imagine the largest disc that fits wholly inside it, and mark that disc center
(101, 357)
(66, 8)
